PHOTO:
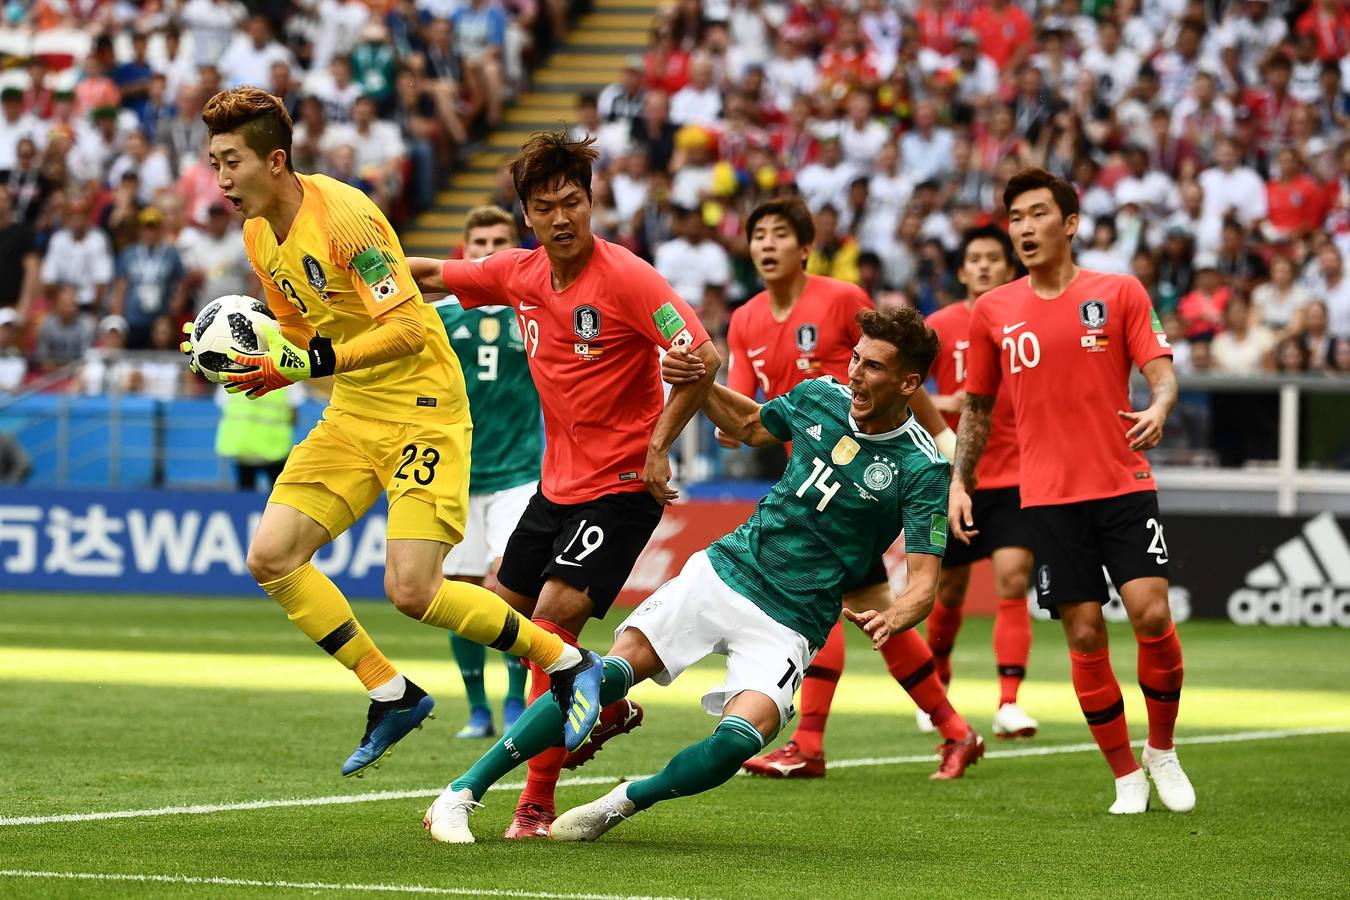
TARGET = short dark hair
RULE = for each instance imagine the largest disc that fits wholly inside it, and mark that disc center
(486, 217)
(903, 328)
(1066, 198)
(792, 210)
(260, 118)
(988, 233)
(548, 160)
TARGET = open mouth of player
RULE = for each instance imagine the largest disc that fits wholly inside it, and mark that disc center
(860, 400)
(1029, 248)
(564, 238)
(768, 264)
(237, 203)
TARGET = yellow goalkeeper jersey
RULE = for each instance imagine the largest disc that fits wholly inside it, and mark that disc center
(341, 267)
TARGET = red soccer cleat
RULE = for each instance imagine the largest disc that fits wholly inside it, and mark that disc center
(628, 716)
(531, 821)
(788, 761)
(957, 756)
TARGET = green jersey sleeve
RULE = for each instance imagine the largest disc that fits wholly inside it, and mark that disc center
(779, 413)
(925, 510)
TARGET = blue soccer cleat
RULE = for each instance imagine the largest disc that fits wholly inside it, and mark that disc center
(577, 692)
(387, 723)
(511, 710)
(479, 725)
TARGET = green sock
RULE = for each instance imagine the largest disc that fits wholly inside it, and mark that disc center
(537, 729)
(700, 767)
(515, 677)
(470, 658)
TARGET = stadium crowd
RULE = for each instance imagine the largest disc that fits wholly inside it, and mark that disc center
(112, 229)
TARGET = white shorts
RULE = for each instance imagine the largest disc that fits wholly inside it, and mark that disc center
(487, 528)
(696, 613)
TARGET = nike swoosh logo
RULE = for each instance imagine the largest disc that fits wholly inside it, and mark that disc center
(1009, 329)
(756, 352)
(566, 562)
(525, 306)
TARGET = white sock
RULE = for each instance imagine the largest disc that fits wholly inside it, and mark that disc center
(390, 690)
(570, 657)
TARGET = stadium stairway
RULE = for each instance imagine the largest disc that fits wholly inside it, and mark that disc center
(590, 58)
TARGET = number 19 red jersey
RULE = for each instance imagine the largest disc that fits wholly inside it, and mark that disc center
(998, 467)
(1065, 366)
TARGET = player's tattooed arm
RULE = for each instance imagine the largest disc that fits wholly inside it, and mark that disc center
(738, 416)
(1146, 426)
(971, 437)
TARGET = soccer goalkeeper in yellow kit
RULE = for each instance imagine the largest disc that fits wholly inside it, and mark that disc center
(346, 305)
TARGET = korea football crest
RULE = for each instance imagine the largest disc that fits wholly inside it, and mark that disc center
(1092, 313)
(314, 273)
(586, 322)
(808, 337)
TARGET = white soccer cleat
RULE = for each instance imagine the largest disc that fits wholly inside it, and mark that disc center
(1011, 721)
(1131, 794)
(448, 816)
(924, 722)
(588, 822)
(1174, 788)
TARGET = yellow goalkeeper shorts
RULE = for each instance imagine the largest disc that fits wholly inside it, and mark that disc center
(336, 473)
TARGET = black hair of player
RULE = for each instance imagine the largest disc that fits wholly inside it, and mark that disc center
(1066, 198)
(548, 160)
(903, 328)
(260, 119)
(791, 210)
(989, 233)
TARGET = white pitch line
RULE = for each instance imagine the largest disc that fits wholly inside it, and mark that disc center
(315, 885)
(376, 796)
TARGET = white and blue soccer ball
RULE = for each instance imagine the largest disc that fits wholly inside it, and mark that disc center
(229, 324)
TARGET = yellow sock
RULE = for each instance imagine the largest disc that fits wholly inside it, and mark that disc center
(317, 608)
(481, 616)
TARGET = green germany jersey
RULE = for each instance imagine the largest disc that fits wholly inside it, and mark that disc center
(508, 441)
(843, 500)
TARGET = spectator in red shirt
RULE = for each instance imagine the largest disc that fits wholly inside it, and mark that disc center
(666, 66)
(848, 60)
(1202, 309)
(1297, 203)
(1330, 22)
(1005, 33)
(939, 24)
(1271, 102)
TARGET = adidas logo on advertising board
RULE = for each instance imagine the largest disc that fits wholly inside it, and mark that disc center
(1306, 583)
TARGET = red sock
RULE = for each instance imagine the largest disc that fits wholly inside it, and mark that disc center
(542, 771)
(1099, 696)
(943, 624)
(911, 663)
(1160, 680)
(818, 685)
(1012, 644)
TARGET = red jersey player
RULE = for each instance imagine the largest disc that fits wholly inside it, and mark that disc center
(804, 326)
(986, 263)
(592, 316)
(1061, 342)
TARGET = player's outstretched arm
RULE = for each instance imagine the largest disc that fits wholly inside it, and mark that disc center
(911, 607)
(738, 416)
(684, 401)
(1146, 426)
(972, 436)
(427, 273)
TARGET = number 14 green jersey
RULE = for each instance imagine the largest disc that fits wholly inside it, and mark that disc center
(843, 500)
(508, 441)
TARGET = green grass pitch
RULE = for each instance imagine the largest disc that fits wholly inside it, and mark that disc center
(113, 704)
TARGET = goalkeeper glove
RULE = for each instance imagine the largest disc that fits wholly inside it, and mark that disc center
(281, 365)
(186, 347)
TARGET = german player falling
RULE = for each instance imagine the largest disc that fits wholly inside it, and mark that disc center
(801, 327)
(346, 305)
(1088, 497)
(593, 316)
(986, 262)
(766, 595)
(508, 444)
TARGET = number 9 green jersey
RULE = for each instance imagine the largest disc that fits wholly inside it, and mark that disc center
(843, 500)
(508, 440)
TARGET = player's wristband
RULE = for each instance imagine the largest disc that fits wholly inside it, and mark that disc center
(322, 360)
(946, 444)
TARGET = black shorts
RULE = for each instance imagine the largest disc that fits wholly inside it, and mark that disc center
(591, 546)
(1074, 542)
(999, 521)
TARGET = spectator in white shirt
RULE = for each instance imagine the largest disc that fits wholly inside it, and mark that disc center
(1114, 65)
(1232, 187)
(622, 100)
(211, 25)
(1252, 32)
(1243, 347)
(151, 166)
(927, 147)
(15, 125)
(790, 72)
(1330, 285)
(700, 101)
(339, 26)
(1177, 67)
(976, 75)
(215, 259)
(249, 58)
(1204, 230)
(861, 137)
(79, 257)
(1152, 191)
(1279, 302)
(825, 181)
(336, 90)
(697, 268)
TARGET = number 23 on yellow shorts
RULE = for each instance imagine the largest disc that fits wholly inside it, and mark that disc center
(336, 473)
